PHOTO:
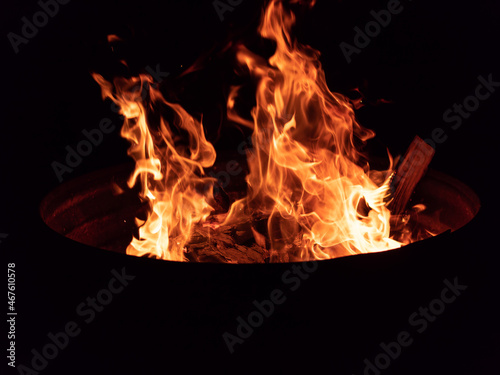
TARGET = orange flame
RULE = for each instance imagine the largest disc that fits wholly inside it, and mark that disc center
(171, 175)
(305, 175)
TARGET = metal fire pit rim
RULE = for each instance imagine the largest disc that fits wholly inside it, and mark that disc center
(86, 185)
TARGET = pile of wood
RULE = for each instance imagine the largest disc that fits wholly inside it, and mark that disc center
(226, 244)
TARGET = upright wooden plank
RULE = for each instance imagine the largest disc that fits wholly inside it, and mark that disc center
(408, 173)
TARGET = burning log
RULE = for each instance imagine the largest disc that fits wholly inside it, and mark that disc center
(226, 244)
(408, 173)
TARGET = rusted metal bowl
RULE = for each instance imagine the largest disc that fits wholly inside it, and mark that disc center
(90, 210)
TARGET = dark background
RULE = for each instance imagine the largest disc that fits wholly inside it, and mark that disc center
(172, 316)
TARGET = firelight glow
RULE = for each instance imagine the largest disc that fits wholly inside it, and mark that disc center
(306, 176)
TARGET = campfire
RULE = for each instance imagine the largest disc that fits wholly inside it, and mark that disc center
(309, 192)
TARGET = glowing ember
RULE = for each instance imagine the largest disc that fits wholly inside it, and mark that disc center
(306, 178)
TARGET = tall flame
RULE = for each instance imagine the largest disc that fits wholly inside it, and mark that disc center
(170, 173)
(304, 173)
(306, 177)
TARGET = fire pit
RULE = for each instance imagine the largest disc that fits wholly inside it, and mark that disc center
(310, 192)
(90, 210)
